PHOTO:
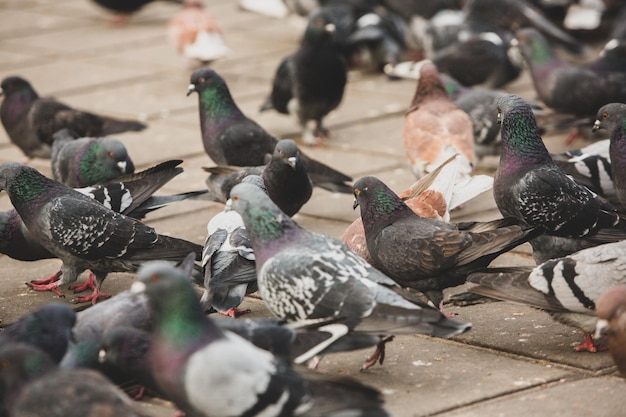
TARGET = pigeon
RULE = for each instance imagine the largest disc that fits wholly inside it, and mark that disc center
(124, 8)
(230, 138)
(612, 117)
(284, 177)
(83, 162)
(530, 187)
(435, 128)
(206, 371)
(196, 34)
(433, 196)
(306, 276)
(30, 120)
(610, 311)
(132, 196)
(564, 87)
(228, 260)
(37, 388)
(83, 233)
(568, 288)
(48, 328)
(310, 83)
(612, 57)
(426, 254)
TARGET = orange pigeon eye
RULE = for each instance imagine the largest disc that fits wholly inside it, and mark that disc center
(605, 115)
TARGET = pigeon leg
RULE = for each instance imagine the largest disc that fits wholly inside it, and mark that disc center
(572, 135)
(378, 355)
(235, 312)
(320, 131)
(88, 285)
(589, 345)
(49, 284)
(120, 19)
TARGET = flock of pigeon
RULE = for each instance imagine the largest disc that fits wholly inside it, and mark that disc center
(387, 273)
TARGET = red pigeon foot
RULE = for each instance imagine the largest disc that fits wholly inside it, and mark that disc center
(48, 284)
(88, 285)
(589, 345)
(235, 312)
(378, 355)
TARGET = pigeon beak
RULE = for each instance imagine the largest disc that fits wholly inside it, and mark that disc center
(596, 126)
(1, 92)
(137, 288)
(190, 89)
(499, 119)
(102, 356)
(355, 204)
(229, 205)
(601, 326)
(292, 162)
(330, 28)
(122, 166)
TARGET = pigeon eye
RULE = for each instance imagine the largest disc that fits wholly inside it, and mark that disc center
(234, 198)
(111, 155)
(605, 115)
(201, 79)
(154, 278)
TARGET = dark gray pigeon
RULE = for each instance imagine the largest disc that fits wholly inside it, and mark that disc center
(610, 310)
(530, 187)
(426, 254)
(228, 260)
(30, 120)
(309, 276)
(48, 328)
(124, 8)
(567, 288)
(310, 83)
(131, 195)
(231, 138)
(564, 87)
(612, 117)
(206, 371)
(285, 178)
(88, 161)
(83, 233)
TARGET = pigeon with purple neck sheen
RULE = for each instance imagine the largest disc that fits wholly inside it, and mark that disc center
(530, 187)
(285, 178)
(88, 161)
(309, 83)
(83, 233)
(611, 309)
(228, 260)
(612, 117)
(207, 371)
(231, 138)
(30, 120)
(565, 87)
(426, 254)
(310, 276)
(567, 288)
(48, 328)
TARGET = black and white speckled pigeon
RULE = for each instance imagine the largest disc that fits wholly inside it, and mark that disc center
(88, 161)
(529, 186)
(610, 309)
(567, 288)
(285, 178)
(48, 328)
(132, 195)
(228, 260)
(564, 87)
(310, 83)
(309, 276)
(206, 371)
(426, 254)
(30, 120)
(33, 386)
(612, 117)
(83, 233)
(231, 138)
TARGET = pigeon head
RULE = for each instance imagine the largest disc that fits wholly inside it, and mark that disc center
(377, 201)
(14, 85)
(204, 79)
(611, 117)
(534, 47)
(429, 84)
(610, 310)
(286, 150)
(320, 26)
(22, 182)
(104, 158)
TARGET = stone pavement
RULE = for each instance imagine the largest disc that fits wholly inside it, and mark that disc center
(514, 362)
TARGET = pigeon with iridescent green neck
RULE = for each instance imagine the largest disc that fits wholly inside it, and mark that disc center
(88, 161)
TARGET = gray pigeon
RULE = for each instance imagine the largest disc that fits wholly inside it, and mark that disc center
(207, 371)
(231, 138)
(83, 233)
(88, 161)
(309, 276)
(228, 260)
(567, 288)
(30, 120)
(612, 117)
(530, 187)
(285, 178)
(310, 83)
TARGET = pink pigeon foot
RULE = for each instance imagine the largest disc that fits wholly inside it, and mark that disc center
(235, 312)
(90, 284)
(590, 346)
(48, 284)
(378, 355)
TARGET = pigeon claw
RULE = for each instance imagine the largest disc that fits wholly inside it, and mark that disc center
(48, 284)
(235, 312)
(88, 285)
(378, 355)
(94, 297)
(590, 346)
